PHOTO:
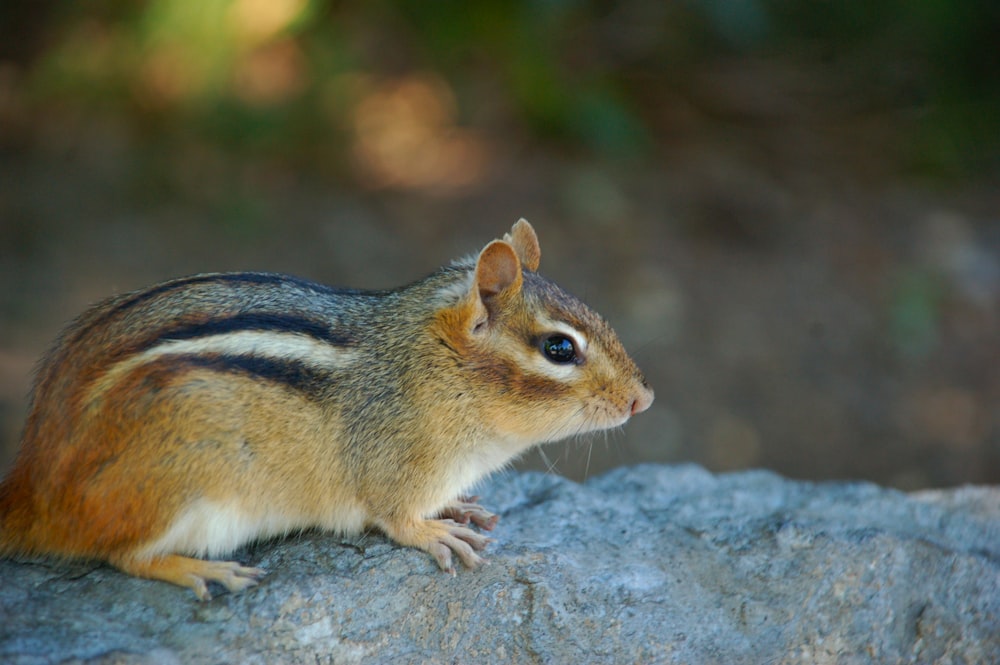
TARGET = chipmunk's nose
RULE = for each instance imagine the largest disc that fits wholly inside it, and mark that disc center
(644, 399)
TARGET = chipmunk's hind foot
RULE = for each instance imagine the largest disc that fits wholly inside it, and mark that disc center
(194, 574)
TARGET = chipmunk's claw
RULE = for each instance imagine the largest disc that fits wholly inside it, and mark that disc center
(465, 510)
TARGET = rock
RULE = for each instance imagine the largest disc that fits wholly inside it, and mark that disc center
(649, 564)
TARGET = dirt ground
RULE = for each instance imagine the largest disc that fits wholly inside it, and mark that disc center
(796, 304)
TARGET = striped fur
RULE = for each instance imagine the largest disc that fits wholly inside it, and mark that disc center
(206, 412)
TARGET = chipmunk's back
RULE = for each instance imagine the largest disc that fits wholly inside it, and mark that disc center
(198, 414)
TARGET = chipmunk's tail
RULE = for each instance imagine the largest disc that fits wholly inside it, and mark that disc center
(6, 538)
(14, 517)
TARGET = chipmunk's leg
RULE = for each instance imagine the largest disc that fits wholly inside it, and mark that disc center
(464, 509)
(192, 573)
(439, 538)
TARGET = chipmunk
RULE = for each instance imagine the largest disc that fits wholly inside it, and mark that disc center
(189, 418)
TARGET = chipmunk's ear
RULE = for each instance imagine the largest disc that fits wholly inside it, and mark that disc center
(498, 270)
(525, 243)
(496, 280)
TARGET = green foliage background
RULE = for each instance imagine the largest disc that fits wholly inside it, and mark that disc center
(578, 75)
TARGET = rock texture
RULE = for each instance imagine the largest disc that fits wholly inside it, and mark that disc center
(649, 564)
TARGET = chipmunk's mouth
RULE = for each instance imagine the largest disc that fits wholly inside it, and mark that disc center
(614, 418)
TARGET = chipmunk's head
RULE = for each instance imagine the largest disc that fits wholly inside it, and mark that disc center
(549, 366)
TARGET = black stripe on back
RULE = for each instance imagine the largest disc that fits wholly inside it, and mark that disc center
(232, 278)
(251, 321)
(310, 381)
(226, 277)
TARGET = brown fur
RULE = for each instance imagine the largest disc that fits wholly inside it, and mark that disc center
(196, 415)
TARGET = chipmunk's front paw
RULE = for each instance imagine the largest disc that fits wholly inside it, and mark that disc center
(465, 510)
(441, 538)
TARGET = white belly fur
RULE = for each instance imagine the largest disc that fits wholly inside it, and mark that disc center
(210, 528)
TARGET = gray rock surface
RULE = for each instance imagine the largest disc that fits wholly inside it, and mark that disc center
(647, 564)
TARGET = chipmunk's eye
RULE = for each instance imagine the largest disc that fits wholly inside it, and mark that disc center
(559, 349)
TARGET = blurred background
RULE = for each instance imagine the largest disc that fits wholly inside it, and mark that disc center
(788, 210)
